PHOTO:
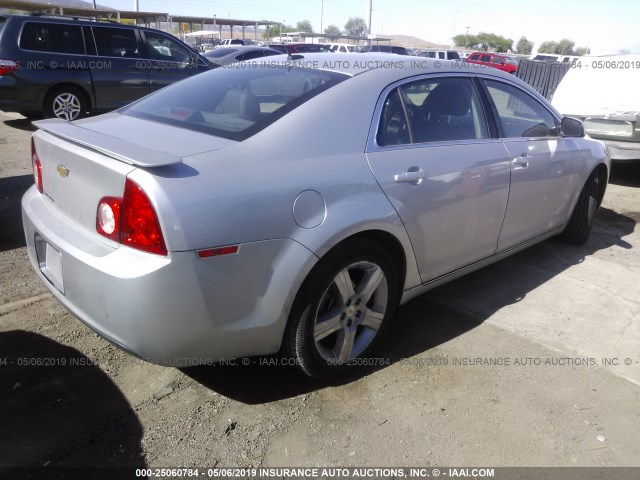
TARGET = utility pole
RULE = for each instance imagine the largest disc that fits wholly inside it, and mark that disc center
(466, 42)
(321, 15)
(369, 8)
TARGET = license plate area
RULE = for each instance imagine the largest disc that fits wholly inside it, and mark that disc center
(50, 263)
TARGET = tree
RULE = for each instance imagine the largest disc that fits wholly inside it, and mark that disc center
(304, 26)
(565, 47)
(356, 27)
(548, 47)
(466, 41)
(274, 30)
(332, 31)
(524, 46)
(491, 41)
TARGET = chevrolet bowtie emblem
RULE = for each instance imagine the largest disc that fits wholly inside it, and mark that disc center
(63, 171)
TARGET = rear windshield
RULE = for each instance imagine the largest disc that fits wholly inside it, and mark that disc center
(220, 52)
(237, 101)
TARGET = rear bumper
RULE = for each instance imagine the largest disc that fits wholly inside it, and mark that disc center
(176, 310)
(15, 96)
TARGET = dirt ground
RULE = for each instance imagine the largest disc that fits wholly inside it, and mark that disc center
(534, 361)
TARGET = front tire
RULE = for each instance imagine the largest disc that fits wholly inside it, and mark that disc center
(65, 102)
(580, 224)
(341, 309)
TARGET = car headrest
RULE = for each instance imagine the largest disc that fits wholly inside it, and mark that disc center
(448, 98)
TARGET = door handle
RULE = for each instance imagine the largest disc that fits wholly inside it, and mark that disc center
(411, 177)
(521, 161)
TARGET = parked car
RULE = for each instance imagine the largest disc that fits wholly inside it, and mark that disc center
(297, 47)
(495, 60)
(66, 68)
(552, 57)
(440, 54)
(238, 53)
(384, 49)
(343, 47)
(203, 222)
(231, 41)
(600, 93)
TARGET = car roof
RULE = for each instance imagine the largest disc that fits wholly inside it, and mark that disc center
(357, 63)
(52, 18)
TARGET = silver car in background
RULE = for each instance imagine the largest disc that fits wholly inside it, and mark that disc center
(293, 205)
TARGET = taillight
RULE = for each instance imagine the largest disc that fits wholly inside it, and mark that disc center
(37, 167)
(8, 66)
(131, 220)
(108, 218)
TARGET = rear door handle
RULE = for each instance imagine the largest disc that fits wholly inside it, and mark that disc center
(411, 177)
(521, 161)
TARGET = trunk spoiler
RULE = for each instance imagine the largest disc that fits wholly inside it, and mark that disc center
(122, 150)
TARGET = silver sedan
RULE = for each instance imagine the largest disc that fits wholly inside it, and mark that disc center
(292, 205)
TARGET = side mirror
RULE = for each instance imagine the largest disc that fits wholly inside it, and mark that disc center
(571, 127)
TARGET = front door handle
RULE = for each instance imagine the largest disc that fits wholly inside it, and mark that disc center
(521, 161)
(411, 177)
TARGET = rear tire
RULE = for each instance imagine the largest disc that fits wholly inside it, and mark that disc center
(581, 222)
(342, 309)
(65, 102)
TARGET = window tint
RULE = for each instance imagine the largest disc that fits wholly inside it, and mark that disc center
(475, 56)
(52, 37)
(161, 47)
(453, 56)
(234, 103)
(220, 52)
(432, 110)
(497, 60)
(520, 114)
(250, 55)
(116, 42)
(485, 58)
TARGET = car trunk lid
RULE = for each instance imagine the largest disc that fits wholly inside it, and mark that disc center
(83, 162)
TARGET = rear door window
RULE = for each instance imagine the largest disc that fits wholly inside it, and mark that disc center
(52, 38)
(116, 42)
(432, 110)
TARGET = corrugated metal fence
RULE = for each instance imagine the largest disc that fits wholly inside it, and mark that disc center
(543, 76)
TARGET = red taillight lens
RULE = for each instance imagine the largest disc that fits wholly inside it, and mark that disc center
(139, 226)
(8, 66)
(131, 220)
(108, 218)
(37, 167)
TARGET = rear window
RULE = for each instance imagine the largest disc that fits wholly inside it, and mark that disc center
(220, 52)
(52, 37)
(234, 102)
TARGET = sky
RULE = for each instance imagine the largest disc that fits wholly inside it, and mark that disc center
(605, 27)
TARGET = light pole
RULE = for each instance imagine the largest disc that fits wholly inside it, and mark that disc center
(321, 15)
(466, 44)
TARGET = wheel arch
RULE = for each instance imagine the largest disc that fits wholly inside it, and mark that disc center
(81, 88)
(388, 241)
(602, 172)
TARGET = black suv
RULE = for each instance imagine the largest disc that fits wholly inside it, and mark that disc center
(66, 67)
